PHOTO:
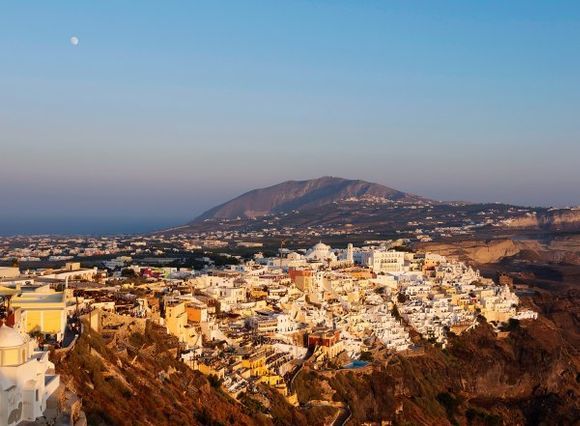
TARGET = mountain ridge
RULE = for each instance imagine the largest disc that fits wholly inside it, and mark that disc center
(302, 195)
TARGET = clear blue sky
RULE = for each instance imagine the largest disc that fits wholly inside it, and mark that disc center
(167, 108)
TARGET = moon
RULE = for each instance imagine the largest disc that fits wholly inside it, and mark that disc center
(74, 40)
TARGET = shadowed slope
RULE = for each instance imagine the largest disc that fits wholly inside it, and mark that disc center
(301, 195)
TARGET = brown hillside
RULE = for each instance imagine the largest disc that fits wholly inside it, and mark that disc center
(143, 384)
(129, 376)
(529, 377)
(301, 195)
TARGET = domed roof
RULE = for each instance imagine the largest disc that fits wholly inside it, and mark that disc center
(10, 337)
(320, 246)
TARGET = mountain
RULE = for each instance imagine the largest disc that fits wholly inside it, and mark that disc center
(341, 210)
(303, 195)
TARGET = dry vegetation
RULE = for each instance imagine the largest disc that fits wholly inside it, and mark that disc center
(531, 377)
(129, 375)
(138, 381)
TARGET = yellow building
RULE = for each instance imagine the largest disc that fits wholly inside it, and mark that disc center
(498, 315)
(176, 322)
(9, 271)
(196, 312)
(353, 297)
(258, 293)
(275, 381)
(45, 310)
(256, 364)
(485, 293)
(360, 274)
(463, 301)
(175, 317)
(210, 369)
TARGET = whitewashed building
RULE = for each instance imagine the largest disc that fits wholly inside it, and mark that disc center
(27, 378)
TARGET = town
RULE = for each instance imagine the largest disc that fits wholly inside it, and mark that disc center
(420, 222)
(242, 321)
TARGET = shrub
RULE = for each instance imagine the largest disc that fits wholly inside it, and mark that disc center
(449, 402)
(214, 381)
(366, 356)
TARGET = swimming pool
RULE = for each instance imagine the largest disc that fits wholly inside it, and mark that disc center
(357, 363)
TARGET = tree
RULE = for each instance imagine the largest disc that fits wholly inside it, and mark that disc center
(129, 273)
(366, 356)
(214, 381)
(449, 402)
(395, 312)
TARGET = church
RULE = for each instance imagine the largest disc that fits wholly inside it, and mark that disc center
(27, 378)
(321, 253)
(325, 255)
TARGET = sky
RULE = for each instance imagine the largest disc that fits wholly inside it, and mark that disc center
(165, 109)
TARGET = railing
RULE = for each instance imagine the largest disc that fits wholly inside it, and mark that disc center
(72, 343)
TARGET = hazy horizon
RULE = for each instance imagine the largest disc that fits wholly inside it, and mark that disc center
(122, 222)
(160, 113)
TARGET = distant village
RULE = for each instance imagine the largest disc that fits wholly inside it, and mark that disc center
(253, 321)
(228, 235)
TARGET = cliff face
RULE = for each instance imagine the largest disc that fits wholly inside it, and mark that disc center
(530, 377)
(129, 375)
(136, 380)
(476, 250)
(561, 250)
(564, 219)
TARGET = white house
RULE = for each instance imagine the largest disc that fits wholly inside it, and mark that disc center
(27, 378)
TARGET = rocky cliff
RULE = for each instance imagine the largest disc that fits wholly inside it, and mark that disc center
(129, 375)
(478, 251)
(528, 377)
(557, 250)
(556, 219)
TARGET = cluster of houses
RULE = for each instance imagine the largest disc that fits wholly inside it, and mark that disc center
(256, 322)
(436, 296)
(29, 310)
